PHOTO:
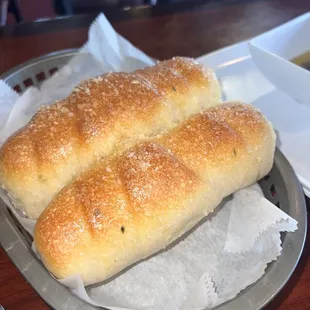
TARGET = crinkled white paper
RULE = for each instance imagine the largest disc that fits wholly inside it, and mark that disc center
(211, 264)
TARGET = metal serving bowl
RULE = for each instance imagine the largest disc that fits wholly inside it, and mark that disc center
(281, 187)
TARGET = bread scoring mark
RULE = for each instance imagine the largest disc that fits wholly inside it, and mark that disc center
(149, 173)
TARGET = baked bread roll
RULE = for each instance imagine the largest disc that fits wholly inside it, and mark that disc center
(130, 206)
(103, 114)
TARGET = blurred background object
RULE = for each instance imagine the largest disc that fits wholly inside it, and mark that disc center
(63, 7)
(9, 7)
(16, 11)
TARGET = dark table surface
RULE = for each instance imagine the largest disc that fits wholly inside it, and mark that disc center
(162, 33)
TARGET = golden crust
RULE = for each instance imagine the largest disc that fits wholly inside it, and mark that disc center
(118, 194)
(130, 206)
(218, 134)
(101, 115)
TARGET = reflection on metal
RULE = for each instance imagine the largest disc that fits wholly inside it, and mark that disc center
(234, 61)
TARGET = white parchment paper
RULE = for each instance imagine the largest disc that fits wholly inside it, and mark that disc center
(224, 254)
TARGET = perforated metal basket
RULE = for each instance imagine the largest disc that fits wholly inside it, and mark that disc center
(35, 71)
(281, 187)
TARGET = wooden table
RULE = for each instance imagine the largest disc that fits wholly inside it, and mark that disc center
(161, 33)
